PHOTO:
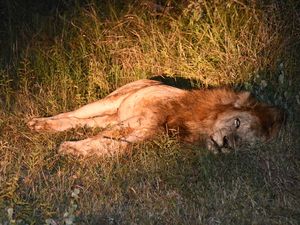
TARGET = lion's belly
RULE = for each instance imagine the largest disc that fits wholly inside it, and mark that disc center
(150, 102)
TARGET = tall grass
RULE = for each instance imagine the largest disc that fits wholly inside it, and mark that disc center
(87, 49)
(216, 43)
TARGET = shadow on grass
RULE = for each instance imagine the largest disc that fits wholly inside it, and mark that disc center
(180, 82)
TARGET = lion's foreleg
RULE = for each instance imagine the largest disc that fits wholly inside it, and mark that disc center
(98, 145)
(109, 142)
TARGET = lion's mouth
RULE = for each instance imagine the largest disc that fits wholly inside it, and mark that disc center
(225, 145)
(217, 148)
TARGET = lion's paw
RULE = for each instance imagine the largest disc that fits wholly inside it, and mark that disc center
(39, 124)
(70, 147)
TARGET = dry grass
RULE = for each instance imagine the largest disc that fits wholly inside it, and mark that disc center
(82, 54)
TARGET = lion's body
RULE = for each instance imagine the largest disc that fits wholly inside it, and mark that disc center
(219, 118)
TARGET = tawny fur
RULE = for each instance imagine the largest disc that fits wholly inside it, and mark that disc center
(221, 119)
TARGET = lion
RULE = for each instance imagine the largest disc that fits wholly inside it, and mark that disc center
(220, 119)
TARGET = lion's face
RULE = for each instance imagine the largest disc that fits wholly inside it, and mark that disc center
(235, 127)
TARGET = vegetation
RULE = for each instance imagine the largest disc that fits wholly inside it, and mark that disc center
(59, 55)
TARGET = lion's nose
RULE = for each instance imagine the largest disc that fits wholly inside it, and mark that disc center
(226, 143)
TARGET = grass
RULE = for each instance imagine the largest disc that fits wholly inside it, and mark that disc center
(82, 51)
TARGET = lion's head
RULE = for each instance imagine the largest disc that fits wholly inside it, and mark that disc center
(245, 121)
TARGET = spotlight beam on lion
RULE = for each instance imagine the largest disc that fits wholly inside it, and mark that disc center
(220, 119)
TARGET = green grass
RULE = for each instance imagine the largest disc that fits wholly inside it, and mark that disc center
(79, 54)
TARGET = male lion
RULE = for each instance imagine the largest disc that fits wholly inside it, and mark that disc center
(220, 118)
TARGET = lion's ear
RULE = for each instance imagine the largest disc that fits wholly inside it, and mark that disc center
(243, 99)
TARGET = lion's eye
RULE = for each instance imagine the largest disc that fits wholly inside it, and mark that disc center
(237, 123)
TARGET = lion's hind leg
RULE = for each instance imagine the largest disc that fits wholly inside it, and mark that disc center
(54, 124)
(103, 110)
(108, 105)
